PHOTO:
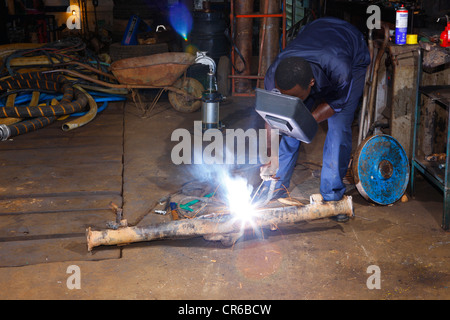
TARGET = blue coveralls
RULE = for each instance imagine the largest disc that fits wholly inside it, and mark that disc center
(339, 57)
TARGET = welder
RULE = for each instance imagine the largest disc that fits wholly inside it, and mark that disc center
(324, 66)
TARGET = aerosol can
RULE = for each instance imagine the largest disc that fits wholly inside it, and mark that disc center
(401, 25)
(444, 39)
(210, 104)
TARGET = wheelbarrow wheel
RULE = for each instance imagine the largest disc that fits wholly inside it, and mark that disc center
(185, 104)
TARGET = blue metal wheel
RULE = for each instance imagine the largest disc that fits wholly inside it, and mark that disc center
(381, 169)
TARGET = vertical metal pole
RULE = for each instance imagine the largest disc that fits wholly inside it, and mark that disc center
(416, 121)
(269, 37)
(446, 213)
(244, 35)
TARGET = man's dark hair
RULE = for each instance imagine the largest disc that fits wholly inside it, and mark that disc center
(291, 71)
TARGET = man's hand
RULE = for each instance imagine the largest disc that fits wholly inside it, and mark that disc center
(268, 171)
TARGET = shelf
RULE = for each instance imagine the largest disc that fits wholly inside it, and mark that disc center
(437, 175)
(439, 94)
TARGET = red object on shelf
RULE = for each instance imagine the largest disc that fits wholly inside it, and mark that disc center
(444, 39)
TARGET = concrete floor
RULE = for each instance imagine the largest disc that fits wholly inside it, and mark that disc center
(322, 259)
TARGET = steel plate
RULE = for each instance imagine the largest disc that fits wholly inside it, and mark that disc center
(381, 169)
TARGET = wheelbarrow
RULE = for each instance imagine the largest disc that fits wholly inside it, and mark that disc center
(163, 71)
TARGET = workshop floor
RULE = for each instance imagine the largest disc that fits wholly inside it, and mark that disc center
(323, 259)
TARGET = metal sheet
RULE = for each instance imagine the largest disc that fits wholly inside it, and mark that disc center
(381, 169)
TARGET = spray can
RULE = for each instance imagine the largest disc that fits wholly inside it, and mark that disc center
(401, 25)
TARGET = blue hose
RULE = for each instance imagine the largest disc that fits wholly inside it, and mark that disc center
(23, 99)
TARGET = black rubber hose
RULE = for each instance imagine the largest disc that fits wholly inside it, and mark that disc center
(46, 111)
(37, 80)
(29, 125)
(43, 116)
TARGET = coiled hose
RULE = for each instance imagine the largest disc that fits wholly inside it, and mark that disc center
(44, 115)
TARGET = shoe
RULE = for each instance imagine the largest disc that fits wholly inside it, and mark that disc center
(318, 198)
(340, 218)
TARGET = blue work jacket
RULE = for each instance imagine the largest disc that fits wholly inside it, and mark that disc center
(336, 50)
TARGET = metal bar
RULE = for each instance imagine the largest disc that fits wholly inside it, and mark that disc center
(232, 49)
(257, 15)
(222, 227)
(417, 165)
(247, 77)
(433, 179)
(416, 120)
(233, 75)
(446, 210)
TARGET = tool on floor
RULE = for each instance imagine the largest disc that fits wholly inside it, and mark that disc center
(220, 227)
(187, 206)
(166, 202)
(173, 211)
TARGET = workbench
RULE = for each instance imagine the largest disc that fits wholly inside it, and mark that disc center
(435, 169)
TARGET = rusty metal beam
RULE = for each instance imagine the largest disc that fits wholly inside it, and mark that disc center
(222, 227)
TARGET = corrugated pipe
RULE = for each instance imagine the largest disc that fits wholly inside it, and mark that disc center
(88, 117)
(43, 115)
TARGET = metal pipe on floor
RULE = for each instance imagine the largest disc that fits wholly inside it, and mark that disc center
(223, 228)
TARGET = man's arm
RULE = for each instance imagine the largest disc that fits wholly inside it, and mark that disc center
(269, 169)
(323, 112)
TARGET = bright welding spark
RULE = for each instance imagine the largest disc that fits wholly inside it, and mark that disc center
(181, 20)
(238, 194)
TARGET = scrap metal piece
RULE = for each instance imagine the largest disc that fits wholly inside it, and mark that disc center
(120, 222)
(381, 169)
(225, 227)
